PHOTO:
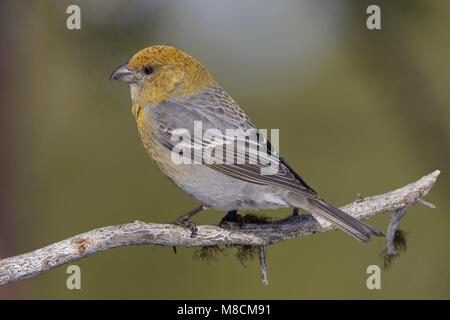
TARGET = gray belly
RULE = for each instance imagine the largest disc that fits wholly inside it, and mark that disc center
(222, 192)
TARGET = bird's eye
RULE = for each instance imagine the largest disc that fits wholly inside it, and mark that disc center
(148, 70)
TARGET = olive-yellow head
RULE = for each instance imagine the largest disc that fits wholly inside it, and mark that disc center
(158, 73)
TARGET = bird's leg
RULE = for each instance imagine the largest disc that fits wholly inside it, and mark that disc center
(295, 212)
(232, 216)
(184, 220)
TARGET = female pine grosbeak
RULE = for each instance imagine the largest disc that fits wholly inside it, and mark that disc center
(170, 92)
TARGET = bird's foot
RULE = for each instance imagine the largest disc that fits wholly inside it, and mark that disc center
(295, 212)
(184, 221)
(232, 216)
(187, 224)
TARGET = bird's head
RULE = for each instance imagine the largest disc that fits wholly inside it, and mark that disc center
(159, 73)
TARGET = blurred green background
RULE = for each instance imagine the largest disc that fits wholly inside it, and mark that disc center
(358, 111)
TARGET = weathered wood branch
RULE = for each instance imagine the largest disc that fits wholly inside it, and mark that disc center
(138, 233)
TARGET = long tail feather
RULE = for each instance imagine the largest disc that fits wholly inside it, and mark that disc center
(360, 230)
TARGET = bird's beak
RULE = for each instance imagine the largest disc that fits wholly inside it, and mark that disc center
(122, 73)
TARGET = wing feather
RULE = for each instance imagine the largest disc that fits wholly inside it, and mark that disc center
(216, 109)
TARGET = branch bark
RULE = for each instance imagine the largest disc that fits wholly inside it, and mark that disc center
(138, 233)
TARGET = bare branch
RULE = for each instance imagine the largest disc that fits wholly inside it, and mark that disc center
(426, 203)
(138, 233)
(262, 264)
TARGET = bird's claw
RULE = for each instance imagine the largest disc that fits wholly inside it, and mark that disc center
(187, 224)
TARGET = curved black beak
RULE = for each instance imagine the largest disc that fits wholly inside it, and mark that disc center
(122, 73)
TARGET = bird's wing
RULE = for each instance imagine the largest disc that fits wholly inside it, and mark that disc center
(217, 110)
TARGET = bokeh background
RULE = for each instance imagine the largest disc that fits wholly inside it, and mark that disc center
(358, 111)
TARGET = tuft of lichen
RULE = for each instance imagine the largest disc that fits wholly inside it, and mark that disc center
(399, 245)
(387, 261)
(245, 253)
(400, 240)
(209, 253)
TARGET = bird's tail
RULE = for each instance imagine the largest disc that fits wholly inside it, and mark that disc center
(342, 220)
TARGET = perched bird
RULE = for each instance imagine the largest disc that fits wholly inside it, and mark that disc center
(171, 90)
